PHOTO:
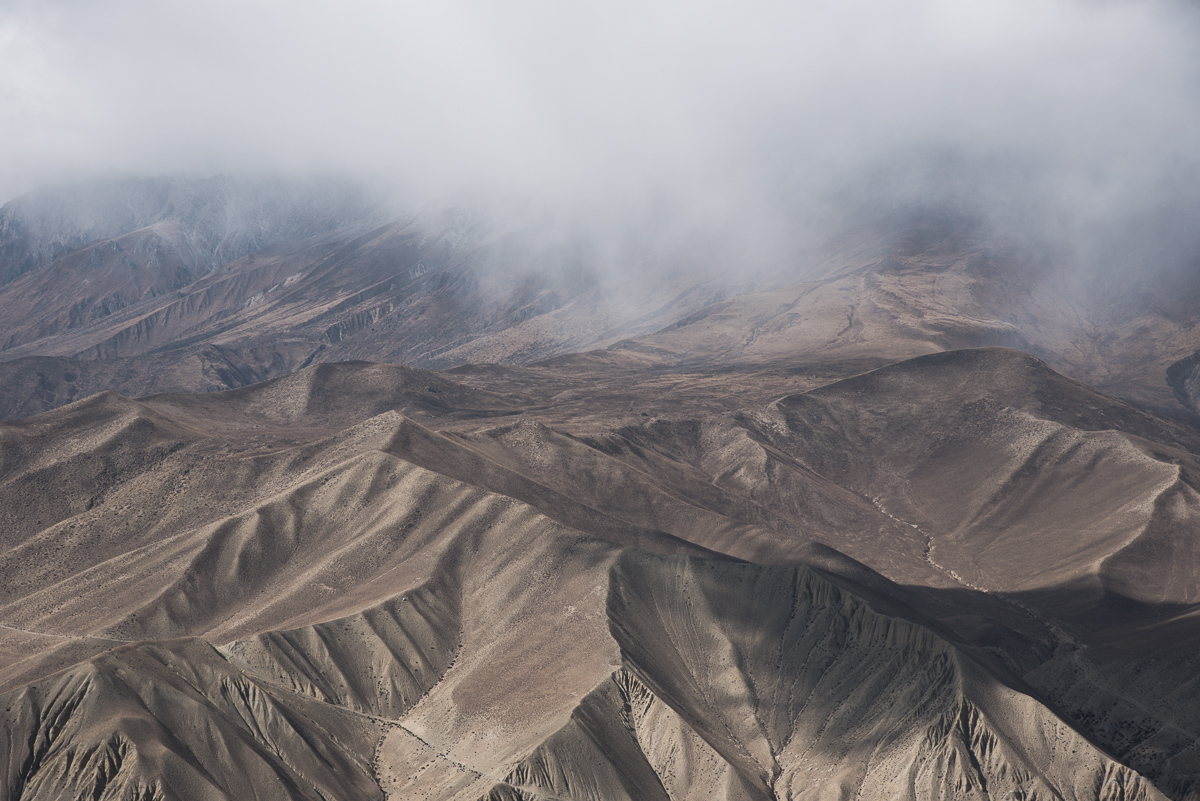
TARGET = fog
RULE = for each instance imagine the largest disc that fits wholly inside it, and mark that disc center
(759, 125)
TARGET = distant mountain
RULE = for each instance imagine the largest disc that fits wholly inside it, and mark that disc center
(182, 304)
(212, 220)
(146, 286)
(925, 285)
(155, 286)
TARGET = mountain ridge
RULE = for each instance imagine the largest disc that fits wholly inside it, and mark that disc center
(430, 507)
(413, 475)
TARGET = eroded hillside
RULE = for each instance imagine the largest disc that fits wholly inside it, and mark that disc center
(960, 576)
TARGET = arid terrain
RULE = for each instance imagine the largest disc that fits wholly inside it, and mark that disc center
(373, 508)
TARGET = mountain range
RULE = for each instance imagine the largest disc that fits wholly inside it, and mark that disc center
(309, 500)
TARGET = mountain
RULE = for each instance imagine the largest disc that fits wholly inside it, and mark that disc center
(144, 311)
(362, 580)
(171, 301)
(436, 508)
(203, 222)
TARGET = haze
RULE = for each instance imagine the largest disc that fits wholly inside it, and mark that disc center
(1065, 119)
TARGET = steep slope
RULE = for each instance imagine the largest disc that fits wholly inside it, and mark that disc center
(738, 681)
(176, 721)
(216, 219)
(514, 582)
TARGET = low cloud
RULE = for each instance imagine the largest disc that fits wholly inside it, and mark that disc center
(759, 123)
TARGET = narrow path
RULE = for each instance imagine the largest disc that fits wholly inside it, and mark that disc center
(1059, 633)
(62, 636)
(1066, 641)
(487, 776)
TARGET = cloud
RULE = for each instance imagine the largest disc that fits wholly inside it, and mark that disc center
(1063, 114)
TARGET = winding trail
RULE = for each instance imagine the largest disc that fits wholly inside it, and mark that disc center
(1073, 647)
(6, 627)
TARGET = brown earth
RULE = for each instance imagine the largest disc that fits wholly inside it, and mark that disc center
(960, 576)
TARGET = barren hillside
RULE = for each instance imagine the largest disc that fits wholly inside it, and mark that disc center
(588, 581)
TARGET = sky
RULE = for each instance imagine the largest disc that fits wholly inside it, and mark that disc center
(1062, 115)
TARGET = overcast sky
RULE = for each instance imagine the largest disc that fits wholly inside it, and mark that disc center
(1085, 109)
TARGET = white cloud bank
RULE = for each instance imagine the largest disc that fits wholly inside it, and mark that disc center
(1080, 115)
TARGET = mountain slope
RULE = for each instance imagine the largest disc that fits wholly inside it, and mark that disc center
(515, 582)
(176, 297)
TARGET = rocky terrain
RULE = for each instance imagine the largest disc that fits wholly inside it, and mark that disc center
(159, 307)
(895, 524)
(201, 286)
